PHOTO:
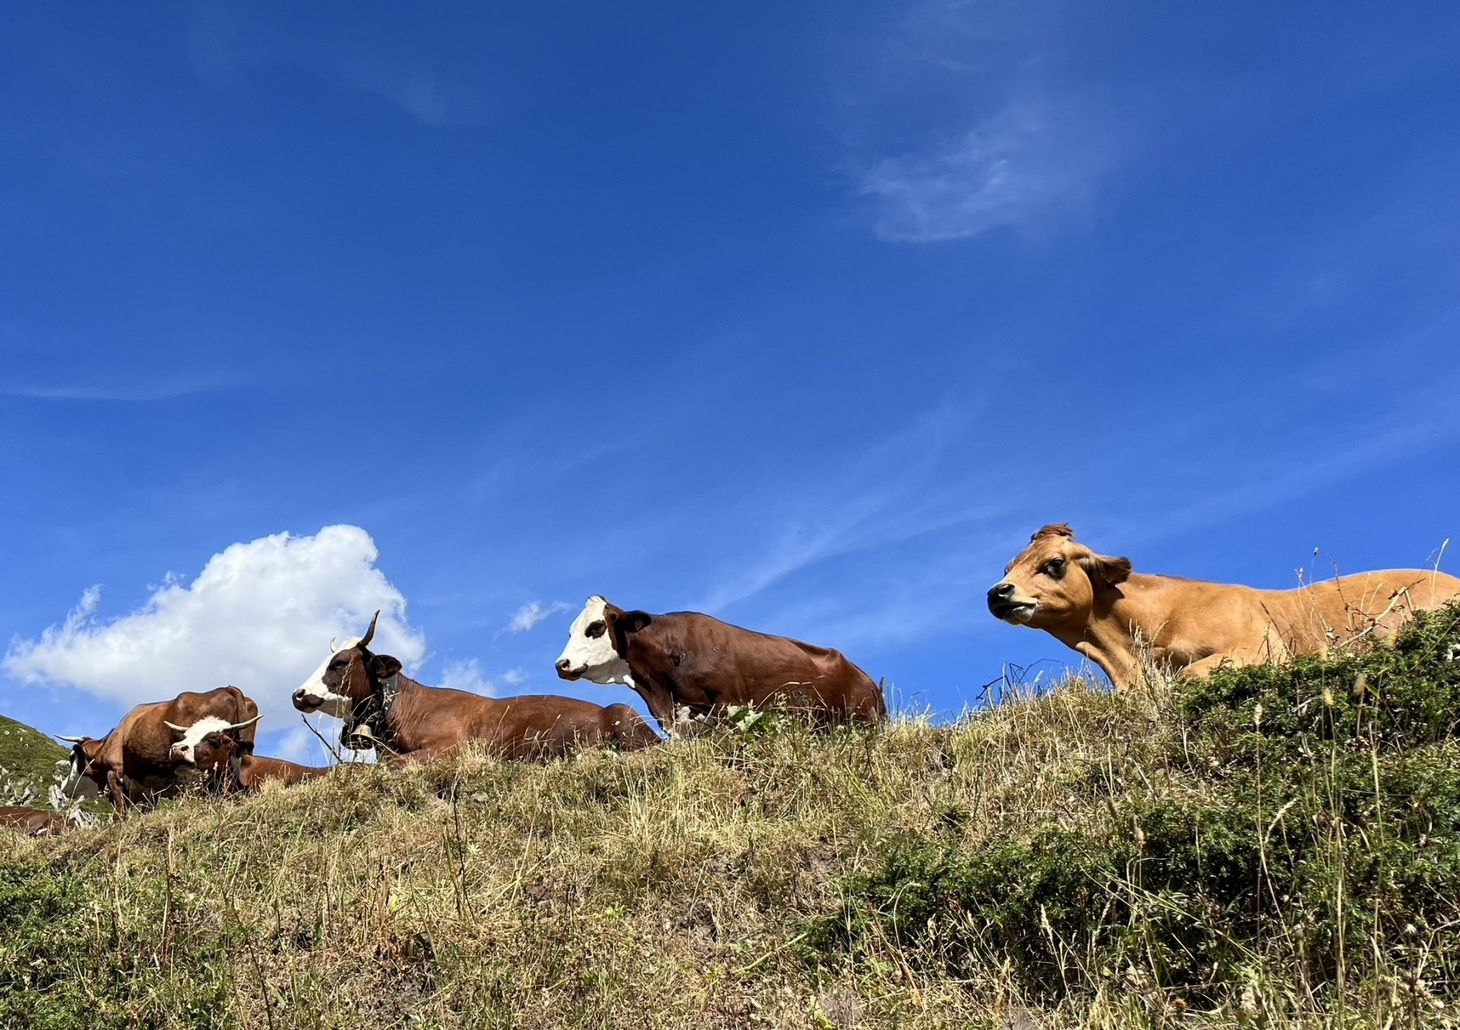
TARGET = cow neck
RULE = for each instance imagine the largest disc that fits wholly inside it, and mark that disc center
(1109, 636)
(373, 714)
(653, 687)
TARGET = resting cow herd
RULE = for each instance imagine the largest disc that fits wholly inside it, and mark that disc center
(691, 668)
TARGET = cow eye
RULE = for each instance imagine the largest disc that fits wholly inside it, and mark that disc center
(596, 629)
(1055, 568)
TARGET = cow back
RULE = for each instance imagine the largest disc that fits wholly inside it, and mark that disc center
(228, 703)
(529, 727)
(708, 664)
(258, 770)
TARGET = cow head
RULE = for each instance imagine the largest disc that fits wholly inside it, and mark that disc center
(598, 643)
(346, 677)
(1054, 581)
(219, 756)
(85, 777)
(184, 749)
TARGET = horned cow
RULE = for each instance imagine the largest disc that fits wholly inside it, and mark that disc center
(686, 663)
(1111, 615)
(229, 766)
(149, 754)
(382, 707)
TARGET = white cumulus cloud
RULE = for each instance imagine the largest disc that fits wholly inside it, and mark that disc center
(467, 675)
(533, 614)
(260, 616)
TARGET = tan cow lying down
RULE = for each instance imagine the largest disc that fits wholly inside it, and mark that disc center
(1099, 607)
(382, 707)
(142, 759)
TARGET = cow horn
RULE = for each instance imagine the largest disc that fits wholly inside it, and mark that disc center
(370, 633)
(244, 725)
(175, 727)
(69, 740)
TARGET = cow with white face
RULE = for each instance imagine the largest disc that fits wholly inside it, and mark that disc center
(184, 749)
(85, 777)
(689, 664)
(227, 766)
(326, 688)
(146, 757)
(590, 655)
(383, 708)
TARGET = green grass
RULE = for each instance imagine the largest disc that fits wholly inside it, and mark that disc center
(1270, 847)
(29, 759)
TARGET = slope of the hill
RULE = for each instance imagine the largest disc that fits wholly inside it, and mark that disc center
(28, 758)
(1271, 846)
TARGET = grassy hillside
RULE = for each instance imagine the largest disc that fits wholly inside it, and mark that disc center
(1268, 847)
(29, 759)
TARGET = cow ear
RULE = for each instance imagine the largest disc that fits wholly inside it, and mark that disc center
(632, 622)
(621, 624)
(383, 666)
(1105, 571)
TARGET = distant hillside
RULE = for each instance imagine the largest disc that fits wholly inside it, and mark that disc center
(29, 757)
(1271, 847)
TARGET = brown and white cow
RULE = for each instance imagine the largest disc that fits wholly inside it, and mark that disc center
(382, 707)
(33, 822)
(149, 754)
(688, 664)
(228, 766)
(1111, 615)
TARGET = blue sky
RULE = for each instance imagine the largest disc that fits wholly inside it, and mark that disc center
(802, 315)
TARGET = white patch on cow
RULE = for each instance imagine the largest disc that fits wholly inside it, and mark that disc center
(78, 784)
(185, 748)
(314, 696)
(592, 658)
(1022, 614)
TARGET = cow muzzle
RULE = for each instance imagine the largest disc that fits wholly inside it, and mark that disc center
(1003, 604)
(307, 702)
(566, 670)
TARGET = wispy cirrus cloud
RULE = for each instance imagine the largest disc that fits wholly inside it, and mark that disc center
(80, 392)
(1023, 165)
(893, 494)
(420, 93)
(225, 47)
(533, 614)
(963, 121)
